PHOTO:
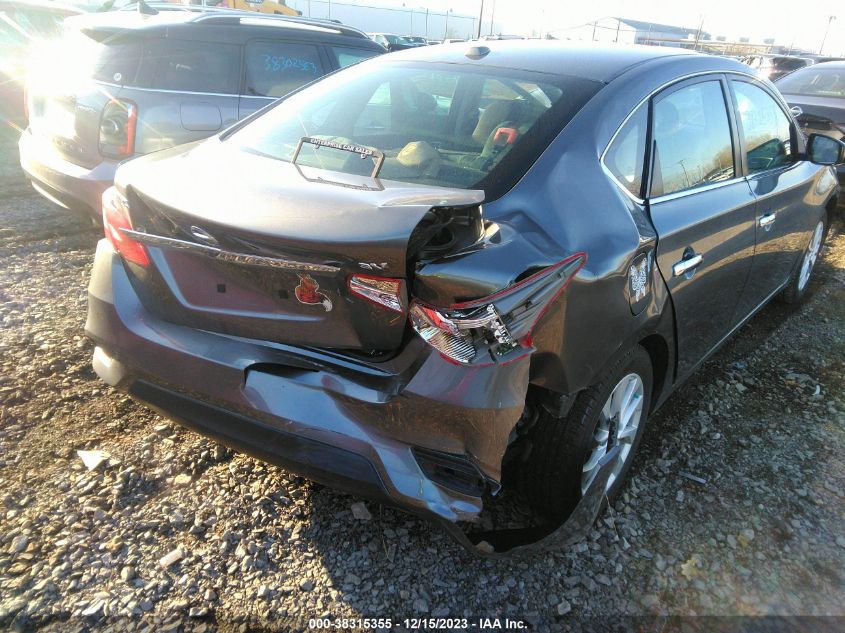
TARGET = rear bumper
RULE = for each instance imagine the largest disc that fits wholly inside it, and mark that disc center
(67, 184)
(355, 429)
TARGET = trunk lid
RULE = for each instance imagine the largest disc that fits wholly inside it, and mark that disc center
(266, 250)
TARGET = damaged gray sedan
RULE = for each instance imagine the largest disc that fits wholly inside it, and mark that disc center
(456, 269)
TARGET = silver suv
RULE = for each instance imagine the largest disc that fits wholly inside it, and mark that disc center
(125, 84)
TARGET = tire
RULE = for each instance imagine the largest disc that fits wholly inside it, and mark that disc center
(553, 476)
(800, 280)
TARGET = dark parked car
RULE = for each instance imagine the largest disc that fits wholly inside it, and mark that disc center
(448, 270)
(816, 95)
(772, 67)
(24, 26)
(417, 40)
(142, 83)
(392, 42)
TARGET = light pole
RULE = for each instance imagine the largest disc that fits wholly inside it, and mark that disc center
(829, 20)
(480, 18)
(446, 28)
(492, 16)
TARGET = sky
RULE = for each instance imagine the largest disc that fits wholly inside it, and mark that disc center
(800, 24)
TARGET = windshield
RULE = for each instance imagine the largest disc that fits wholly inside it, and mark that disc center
(818, 82)
(439, 124)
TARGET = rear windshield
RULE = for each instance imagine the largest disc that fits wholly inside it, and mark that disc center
(108, 58)
(818, 82)
(784, 63)
(438, 124)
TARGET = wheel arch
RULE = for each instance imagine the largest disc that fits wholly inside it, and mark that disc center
(658, 351)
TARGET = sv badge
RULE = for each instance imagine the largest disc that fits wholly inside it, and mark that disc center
(308, 292)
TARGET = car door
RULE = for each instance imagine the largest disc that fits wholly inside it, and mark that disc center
(274, 68)
(781, 184)
(703, 211)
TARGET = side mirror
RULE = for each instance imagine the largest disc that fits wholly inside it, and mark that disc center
(824, 150)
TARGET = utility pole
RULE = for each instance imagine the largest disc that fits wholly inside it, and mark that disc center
(426, 23)
(829, 20)
(480, 19)
(698, 34)
(446, 29)
(618, 25)
(594, 30)
(492, 16)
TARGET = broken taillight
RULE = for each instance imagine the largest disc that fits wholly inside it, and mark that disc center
(497, 324)
(116, 218)
(457, 335)
(383, 291)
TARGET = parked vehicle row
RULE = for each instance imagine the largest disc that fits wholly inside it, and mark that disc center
(816, 95)
(143, 83)
(444, 271)
(773, 67)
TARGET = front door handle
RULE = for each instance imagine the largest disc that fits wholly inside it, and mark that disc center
(765, 221)
(686, 265)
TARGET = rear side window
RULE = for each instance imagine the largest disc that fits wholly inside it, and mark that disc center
(273, 69)
(346, 56)
(191, 66)
(625, 157)
(692, 139)
(765, 128)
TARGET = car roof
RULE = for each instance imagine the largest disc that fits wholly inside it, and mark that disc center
(123, 21)
(600, 62)
(833, 64)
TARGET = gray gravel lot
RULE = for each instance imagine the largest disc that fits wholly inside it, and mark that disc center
(735, 506)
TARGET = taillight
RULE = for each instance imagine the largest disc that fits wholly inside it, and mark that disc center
(498, 324)
(115, 218)
(383, 291)
(459, 335)
(117, 128)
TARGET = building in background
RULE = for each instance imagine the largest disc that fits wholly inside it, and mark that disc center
(410, 20)
(627, 31)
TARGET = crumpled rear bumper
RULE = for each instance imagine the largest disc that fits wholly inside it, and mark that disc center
(351, 426)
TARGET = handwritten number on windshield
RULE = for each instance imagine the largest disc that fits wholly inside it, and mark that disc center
(275, 63)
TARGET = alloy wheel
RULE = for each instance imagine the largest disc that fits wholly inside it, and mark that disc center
(618, 424)
(810, 256)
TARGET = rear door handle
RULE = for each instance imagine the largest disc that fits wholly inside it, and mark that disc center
(686, 265)
(765, 221)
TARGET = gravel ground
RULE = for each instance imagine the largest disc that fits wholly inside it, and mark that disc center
(735, 506)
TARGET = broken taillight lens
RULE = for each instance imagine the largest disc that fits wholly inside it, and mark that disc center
(116, 218)
(496, 324)
(459, 334)
(383, 291)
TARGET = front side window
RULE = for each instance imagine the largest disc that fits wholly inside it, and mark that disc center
(625, 157)
(273, 69)
(692, 139)
(191, 66)
(765, 128)
(438, 124)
